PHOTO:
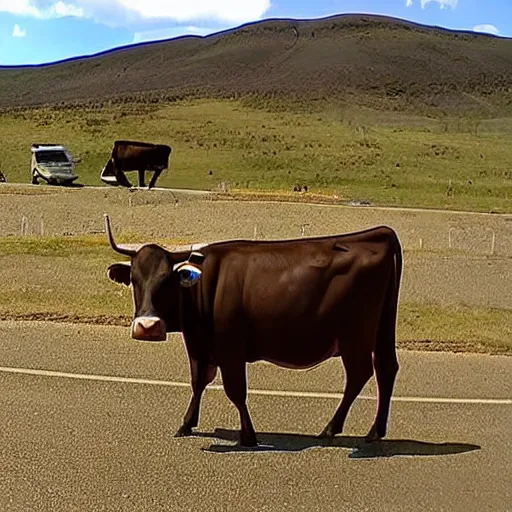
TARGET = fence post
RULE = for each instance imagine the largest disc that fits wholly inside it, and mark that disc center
(493, 242)
(303, 229)
(450, 237)
(24, 225)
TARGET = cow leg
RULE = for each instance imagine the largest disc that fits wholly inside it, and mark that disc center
(386, 369)
(234, 380)
(141, 178)
(122, 179)
(201, 375)
(156, 175)
(358, 370)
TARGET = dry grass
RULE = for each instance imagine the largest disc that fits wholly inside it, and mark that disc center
(455, 328)
(454, 299)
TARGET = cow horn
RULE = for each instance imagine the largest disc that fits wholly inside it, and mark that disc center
(118, 248)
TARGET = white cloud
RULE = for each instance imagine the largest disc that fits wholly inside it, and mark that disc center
(168, 33)
(22, 7)
(179, 10)
(123, 11)
(40, 9)
(18, 32)
(443, 4)
(486, 27)
(60, 9)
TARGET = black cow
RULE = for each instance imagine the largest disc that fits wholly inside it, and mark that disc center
(294, 303)
(135, 156)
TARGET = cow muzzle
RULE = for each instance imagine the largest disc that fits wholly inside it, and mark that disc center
(147, 328)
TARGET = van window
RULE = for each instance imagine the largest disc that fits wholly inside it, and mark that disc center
(47, 157)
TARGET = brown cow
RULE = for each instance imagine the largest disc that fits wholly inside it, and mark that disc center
(294, 303)
(135, 156)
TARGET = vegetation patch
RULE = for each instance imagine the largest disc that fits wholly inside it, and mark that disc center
(455, 328)
(226, 147)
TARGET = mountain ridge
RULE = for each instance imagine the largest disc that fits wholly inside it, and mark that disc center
(384, 60)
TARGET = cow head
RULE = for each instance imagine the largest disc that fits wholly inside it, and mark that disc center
(156, 275)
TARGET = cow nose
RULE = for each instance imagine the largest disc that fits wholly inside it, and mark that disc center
(149, 329)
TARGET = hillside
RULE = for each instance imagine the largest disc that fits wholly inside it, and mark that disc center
(373, 60)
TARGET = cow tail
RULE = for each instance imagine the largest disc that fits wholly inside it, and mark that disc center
(385, 360)
(386, 342)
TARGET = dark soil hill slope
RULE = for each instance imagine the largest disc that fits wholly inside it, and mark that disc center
(372, 58)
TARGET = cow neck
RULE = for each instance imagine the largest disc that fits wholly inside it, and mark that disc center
(189, 310)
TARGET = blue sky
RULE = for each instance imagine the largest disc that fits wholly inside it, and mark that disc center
(39, 31)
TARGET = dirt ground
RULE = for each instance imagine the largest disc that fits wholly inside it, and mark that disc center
(207, 217)
(466, 275)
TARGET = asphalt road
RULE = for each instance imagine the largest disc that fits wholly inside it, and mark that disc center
(87, 418)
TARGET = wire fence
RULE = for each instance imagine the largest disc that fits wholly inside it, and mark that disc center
(473, 240)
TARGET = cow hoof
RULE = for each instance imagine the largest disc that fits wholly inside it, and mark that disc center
(372, 436)
(248, 442)
(327, 433)
(184, 431)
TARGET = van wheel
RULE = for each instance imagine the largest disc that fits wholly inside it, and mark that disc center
(35, 181)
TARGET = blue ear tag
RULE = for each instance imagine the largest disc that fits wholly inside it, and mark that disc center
(189, 274)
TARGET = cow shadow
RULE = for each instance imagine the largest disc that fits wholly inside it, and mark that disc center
(72, 185)
(272, 442)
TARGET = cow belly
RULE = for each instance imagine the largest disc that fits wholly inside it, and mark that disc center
(302, 343)
(306, 363)
(296, 353)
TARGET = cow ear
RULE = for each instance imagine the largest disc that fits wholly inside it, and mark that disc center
(120, 273)
(196, 258)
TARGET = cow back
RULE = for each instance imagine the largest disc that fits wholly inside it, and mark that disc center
(133, 155)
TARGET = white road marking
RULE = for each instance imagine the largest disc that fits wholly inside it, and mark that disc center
(259, 392)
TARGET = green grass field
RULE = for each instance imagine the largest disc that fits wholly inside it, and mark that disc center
(388, 159)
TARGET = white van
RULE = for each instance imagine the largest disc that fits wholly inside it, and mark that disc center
(52, 163)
